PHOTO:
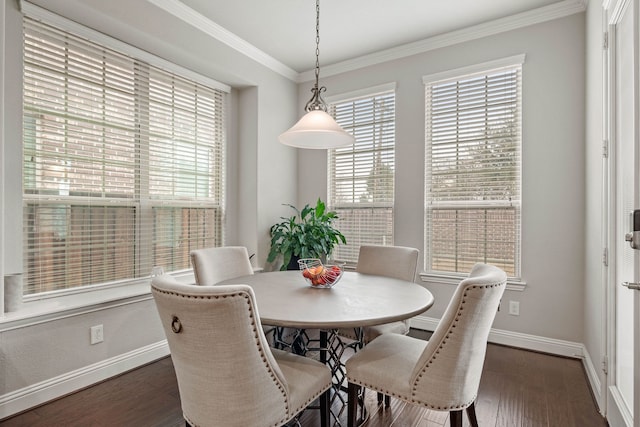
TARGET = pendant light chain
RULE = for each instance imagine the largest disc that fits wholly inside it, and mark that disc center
(316, 102)
(317, 41)
(317, 129)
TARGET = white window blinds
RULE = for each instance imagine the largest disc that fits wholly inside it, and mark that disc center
(123, 164)
(473, 146)
(361, 177)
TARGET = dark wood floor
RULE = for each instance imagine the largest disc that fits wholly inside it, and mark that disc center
(518, 388)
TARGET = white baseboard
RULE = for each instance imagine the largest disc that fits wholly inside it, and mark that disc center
(515, 339)
(37, 394)
(535, 343)
(594, 380)
(618, 414)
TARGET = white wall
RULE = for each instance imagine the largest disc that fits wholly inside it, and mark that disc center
(2, 191)
(12, 129)
(594, 290)
(553, 224)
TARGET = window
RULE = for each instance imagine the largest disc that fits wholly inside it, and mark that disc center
(472, 179)
(361, 177)
(123, 164)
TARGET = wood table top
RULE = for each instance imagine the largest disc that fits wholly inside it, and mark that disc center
(284, 298)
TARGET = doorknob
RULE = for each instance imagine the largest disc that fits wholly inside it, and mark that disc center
(634, 237)
(630, 285)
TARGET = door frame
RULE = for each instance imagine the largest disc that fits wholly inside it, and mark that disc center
(613, 12)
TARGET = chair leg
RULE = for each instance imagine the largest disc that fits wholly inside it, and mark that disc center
(471, 413)
(352, 404)
(386, 398)
(325, 399)
(455, 418)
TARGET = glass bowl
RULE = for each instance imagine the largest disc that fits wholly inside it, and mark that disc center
(319, 275)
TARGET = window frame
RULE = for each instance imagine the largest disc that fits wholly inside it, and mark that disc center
(38, 14)
(515, 281)
(388, 206)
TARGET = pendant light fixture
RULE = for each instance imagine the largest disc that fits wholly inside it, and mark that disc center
(317, 129)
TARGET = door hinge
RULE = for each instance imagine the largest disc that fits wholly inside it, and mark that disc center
(605, 40)
(605, 364)
(605, 148)
(605, 257)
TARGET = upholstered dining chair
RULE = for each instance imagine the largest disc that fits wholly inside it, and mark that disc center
(398, 262)
(213, 265)
(227, 373)
(443, 373)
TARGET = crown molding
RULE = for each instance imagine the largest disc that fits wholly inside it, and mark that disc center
(524, 19)
(204, 24)
(536, 16)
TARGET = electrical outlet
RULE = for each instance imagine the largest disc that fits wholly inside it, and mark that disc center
(514, 308)
(97, 334)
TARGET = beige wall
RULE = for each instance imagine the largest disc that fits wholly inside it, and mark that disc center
(561, 175)
(37, 355)
(37, 352)
(553, 164)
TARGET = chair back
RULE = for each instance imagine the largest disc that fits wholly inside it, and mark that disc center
(448, 372)
(226, 372)
(213, 265)
(398, 262)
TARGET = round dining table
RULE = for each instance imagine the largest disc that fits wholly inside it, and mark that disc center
(286, 300)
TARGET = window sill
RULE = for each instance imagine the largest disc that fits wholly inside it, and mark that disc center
(45, 309)
(513, 284)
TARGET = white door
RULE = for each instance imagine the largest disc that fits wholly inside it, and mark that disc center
(624, 355)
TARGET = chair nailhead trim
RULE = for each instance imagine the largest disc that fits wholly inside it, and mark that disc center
(441, 347)
(263, 355)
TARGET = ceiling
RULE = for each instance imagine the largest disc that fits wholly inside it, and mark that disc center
(280, 34)
(284, 30)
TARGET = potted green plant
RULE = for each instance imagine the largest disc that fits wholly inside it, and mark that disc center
(309, 233)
